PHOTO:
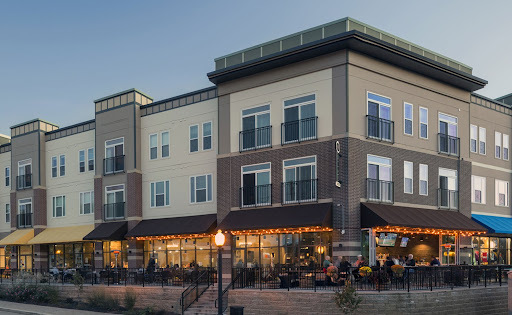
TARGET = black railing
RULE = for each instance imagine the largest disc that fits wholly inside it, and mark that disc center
(447, 199)
(24, 220)
(24, 181)
(256, 196)
(225, 293)
(113, 165)
(113, 211)
(380, 129)
(299, 191)
(192, 293)
(299, 130)
(254, 139)
(448, 144)
(380, 190)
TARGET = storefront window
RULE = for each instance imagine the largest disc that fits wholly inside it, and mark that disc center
(72, 255)
(5, 257)
(448, 250)
(115, 254)
(180, 252)
(25, 257)
(491, 250)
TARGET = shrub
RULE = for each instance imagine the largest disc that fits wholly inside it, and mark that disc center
(347, 300)
(32, 293)
(78, 281)
(130, 298)
(98, 299)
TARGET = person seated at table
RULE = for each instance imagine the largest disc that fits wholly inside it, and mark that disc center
(388, 264)
(240, 264)
(343, 264)
(410, 262)
(435, 261)
(360, 261)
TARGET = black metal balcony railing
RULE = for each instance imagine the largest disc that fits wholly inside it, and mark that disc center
(24, 220)
(300, 191)
(113, 211)
(255, 138)
(380, 129)
(447, 199)
(380, 190)
(448, 144)
(23, 181)
(299, 130)
(256, 196)
(113, 165)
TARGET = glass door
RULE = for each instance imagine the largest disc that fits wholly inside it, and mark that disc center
(300, 181)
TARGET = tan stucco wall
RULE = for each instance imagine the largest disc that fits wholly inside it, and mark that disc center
(5, 161)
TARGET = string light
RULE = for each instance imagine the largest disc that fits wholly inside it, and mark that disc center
(169, 237)
(410, 230)
(283, 230)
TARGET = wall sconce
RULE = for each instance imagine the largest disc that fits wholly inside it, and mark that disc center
(35, 254)
(97, 253)
(129, 252)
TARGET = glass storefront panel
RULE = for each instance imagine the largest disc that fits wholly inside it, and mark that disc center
(492, 250)
(25, 257)
(115, 254)
(72, 255)
(179, 252)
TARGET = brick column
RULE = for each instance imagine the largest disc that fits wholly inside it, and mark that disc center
(40, 256)
(135, 254)
(14, 257)
(98, 255)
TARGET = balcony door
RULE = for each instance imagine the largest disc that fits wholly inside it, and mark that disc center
(300, 180)
(448, 134)
(299, 119)
(379, 117)
(114, 151)
(114, 208)
(25, 173)
(256, 188)
(379, 182)
(256, 128)
(25, 213)
(448, 190)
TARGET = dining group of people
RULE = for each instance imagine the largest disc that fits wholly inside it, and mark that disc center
(344, 265)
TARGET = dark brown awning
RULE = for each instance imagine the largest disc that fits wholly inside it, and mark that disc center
(197, 224)
(374, 215)
(318, 214)
(111, 231)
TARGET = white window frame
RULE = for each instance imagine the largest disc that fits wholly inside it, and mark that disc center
(425, 166)
(411, 178)
(89, 160)
(155, 147)
(114, 144)
(54, 206)
(80, 161)
(193, 193)
(206, 136)
(190, 138)
(420, 123)
(167, 194)
(497, 145)
(482, 181)
(473, 135)
(7, 213)
(56, 167)
(410, 119)
(62, 165)
(482, 133)
(497, 183)
(162, 144)
(7, 173)
(506, 145)
(256, 114)
(82, 203)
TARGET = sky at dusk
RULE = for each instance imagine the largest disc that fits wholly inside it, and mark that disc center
(56, 57)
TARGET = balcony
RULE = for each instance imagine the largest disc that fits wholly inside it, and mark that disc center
(255, 139)
(24, 181)
(448, 145)
(113, 165)
(24, 220)
(113, 211)
(380, 190)
(447, 199)
(299, 130)
(380, 129)
(300, 191)
(256, 196)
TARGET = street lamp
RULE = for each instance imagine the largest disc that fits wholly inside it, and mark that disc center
(219, 241)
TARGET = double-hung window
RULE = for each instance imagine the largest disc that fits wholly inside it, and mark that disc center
(448, 196)
(423, 122)
(448, 134)
(478, 189)
(24, 213)
(62, 165)
(114, 156)
(81, 161)
(505, 147)
(59, 206)
(7, 213)
(408, 177)
(497, 145)
(501, 193)
(201, 188)
(24, 174)
(90, 159)
(300, 181)
(473, 142)
(207, 136)
(160, 194)
(54, 167)
(114, 208)
(194, 138)
(482, 135)
(379, 185)
(256, 131)
(87, 202)
(379, 122)
(7, 177)
(256, 188)
(408, 119)
(165, 144)
(424, 179)
(153, 146)
(300, 123)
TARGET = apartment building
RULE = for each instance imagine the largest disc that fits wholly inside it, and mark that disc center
(339, 140)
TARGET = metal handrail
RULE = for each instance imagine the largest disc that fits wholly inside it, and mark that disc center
(299, 191)
(448, 199)
(299, 130)
(254, 139)
(194, 286)
(255, 196)
(380, 129)
(226, 294)
(447, 144)
(376, 190)
(116, 164)
(113, 207)
(23, 181)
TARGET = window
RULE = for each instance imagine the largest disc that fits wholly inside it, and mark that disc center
(408, 114)
(159, 194)
(256, 187)
(87, 202)
(7, 177)
(379, 121)
(256, 131)
(165, 144)
(448, 133)
(194, 138)
(501, 197)
(54, 166)
(473, 142)
(114, 208)
(207, 135)
(505, 147)
(114, 156)
(153, 146)
(201, 188)
(7, 213)
(448, 196)
(408, 177)
(81, 161)
(379, 183)
(62, 165)
(24, 213)
(424, 179)
(478, 189)
(482, 135)
(423, 122)
(24, 174)
(497, 145)
(300, 181)
(299, 119)
(59, 206)
(90, 159)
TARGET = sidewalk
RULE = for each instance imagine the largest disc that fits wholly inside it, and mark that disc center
(31, 309)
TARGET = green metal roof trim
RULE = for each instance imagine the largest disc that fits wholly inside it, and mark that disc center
(173, 98)
(34, 120)
(121, 93)
(71, 126)
(499, 99)
(324, 31)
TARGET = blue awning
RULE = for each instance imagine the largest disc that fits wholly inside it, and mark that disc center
(494, 224)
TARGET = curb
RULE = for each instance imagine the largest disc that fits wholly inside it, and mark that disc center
(19, 311)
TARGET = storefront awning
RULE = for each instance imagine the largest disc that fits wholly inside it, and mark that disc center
(112, 231)
(198, 224)
(18, 237)
(378, 215)
(66, 234)
(309, 215)
(498, 225)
